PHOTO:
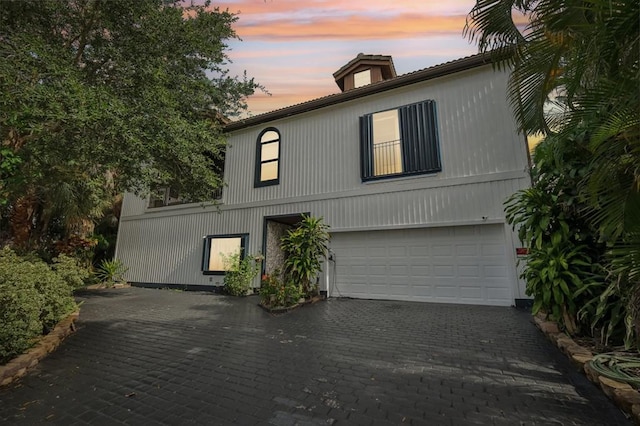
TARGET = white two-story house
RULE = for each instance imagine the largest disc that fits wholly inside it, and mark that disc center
(410, 172)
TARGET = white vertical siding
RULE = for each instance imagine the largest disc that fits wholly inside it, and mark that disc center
(483, 162)
(168, 249)
(320, 149)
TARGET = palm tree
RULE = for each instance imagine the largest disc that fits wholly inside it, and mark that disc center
(575, 64)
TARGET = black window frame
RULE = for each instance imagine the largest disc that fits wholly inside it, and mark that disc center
(258, 182)
(419, 141)
(206, 252)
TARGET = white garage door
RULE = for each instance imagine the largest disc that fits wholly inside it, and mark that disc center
(462, 264)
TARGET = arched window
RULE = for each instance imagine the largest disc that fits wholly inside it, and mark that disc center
(268, 158)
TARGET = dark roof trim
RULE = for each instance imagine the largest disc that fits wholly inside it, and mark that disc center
(403, 80)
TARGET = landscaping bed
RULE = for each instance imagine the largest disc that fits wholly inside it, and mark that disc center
(285, 309)
(20, 365)
(623, 394)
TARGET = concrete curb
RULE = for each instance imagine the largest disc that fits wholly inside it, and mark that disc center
(20, 365)
(622, 394)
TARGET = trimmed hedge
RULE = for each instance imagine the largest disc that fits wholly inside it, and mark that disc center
(33, 298)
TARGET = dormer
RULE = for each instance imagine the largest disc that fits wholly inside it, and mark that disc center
(363, 70)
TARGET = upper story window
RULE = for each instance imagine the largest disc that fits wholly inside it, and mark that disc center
(362, 78)
(268, 158)
(400, 142)
(165, 197)
(168, 196)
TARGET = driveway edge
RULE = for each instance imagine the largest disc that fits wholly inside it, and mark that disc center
(20, 365)
(622, 394)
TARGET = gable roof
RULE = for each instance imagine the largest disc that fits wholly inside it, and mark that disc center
(436, 71)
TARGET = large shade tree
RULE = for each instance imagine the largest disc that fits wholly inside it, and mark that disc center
(99, 97)
(575, 70)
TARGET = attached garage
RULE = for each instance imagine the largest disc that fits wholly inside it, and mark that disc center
(458, 264)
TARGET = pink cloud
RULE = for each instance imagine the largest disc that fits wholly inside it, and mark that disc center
(256, 7)
(353, 27)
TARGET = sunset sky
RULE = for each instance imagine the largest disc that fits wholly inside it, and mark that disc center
(293, 47)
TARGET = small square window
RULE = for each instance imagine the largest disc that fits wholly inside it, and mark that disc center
(362, 78)
(217, 248)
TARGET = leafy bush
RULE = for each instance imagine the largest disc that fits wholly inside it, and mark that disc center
(33, 298)
(58, 296)
(239, 273)
(20, 305)
(275, 293)
(304, 248)
(69, 269)
(111, 272)
(565, 261)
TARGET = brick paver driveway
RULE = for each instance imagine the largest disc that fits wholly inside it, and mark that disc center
(157, 356)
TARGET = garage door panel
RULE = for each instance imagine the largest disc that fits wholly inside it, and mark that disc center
(442, 250)
(422, 291)
(495, 271)
(417, 250)
(495, 249)
(379, 288)
(446, 290)
(398, 270)
(419, 271)
(467, 250)
(377, 270)
(376, 251)
(457, 264)
(471, 293)
(497, 293)
(443, 270)
(468, 271)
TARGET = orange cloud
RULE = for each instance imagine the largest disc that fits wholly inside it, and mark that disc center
(353, 27)
(261, 103)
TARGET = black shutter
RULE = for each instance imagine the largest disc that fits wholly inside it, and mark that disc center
(366, 147)
(419, 134)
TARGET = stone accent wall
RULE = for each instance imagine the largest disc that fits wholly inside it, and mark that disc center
(274, 257)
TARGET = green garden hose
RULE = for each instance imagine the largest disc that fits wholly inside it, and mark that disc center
(618, 367)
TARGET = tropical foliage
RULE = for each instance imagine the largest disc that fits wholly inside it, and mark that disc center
(305, 247)
(111, 272)
(575, 78)
(564, 262)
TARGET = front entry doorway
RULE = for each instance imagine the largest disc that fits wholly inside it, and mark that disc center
(276, 227)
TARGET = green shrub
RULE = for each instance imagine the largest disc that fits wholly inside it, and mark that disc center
(20, 305)
(69, 270)
(33, 298)
(239, 273)
(57, 294)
